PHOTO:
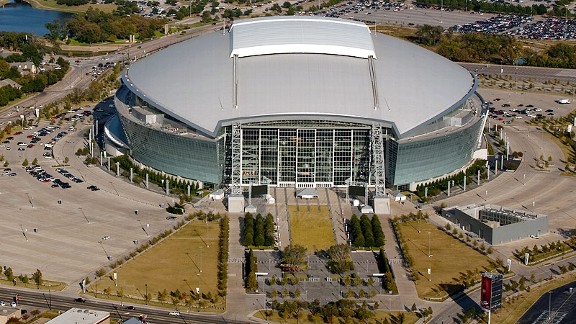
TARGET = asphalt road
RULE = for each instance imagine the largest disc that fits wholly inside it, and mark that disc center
(52, 300)
(522, 72)
(558, 306)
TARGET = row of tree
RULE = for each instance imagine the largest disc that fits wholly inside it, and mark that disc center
(388, 282)
(251, 269)
(23, 278)
(259, 232)
(365, 232)
(223, 255)
(344, 308)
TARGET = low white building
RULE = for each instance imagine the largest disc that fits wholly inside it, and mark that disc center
(82, 316)
(398, 196)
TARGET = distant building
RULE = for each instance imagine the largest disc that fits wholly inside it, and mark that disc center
(7, 313)
(497, 224)
(133, 320)
(82, 316)
(9, 82)
(24, 67)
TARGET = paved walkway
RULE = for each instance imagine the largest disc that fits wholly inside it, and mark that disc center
(239, 305)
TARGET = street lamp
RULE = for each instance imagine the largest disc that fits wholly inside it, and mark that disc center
(429, 259)
(549, 305)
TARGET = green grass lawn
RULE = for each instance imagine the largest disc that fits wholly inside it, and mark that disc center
(172, 264)
(450, 259)
(311, 228)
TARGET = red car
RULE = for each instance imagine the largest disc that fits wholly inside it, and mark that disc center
(30, 146)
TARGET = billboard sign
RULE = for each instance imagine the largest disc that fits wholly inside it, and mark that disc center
(491, 291)
(486, 292)
(356, 191)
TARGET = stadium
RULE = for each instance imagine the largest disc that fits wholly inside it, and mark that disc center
(298, 102)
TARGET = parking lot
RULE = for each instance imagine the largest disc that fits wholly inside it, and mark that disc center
(68, 231)
(316, 282)
(512, 107)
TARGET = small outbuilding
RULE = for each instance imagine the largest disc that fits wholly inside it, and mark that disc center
(307, 193)
(217, 194)
(398, 196)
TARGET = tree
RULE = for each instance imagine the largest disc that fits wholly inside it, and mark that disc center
(356, 231)
(9, 274)
(37, 277)
(259, 239)
(366, 227)
(429, 35)
(251, 281)
(66, 160)
(340, 260)
(25, 163)
(248, 237)
(206, 17)
(294, 255)
(269, 230)
(35, 161)
(377, 231)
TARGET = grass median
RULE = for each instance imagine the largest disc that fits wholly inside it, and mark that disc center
(311, 227)
(179, 264)
(450, 260)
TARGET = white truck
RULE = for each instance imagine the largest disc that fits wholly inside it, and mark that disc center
(563, 101)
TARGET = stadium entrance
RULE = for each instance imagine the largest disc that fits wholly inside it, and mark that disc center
(305, 157)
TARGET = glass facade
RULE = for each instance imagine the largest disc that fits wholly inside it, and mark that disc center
(299, 152)
(304, 157)
(188, 157)
(418, 160)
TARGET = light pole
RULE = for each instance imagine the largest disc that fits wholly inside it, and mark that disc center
(429, 259)
(83, 214)
(549, 305)
(428, 244)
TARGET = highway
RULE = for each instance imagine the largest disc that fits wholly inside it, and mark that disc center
(53, 300)
(522, 72)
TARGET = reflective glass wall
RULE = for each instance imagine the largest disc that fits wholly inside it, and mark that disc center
(434, 156)
(306, 157)
(189, 157)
